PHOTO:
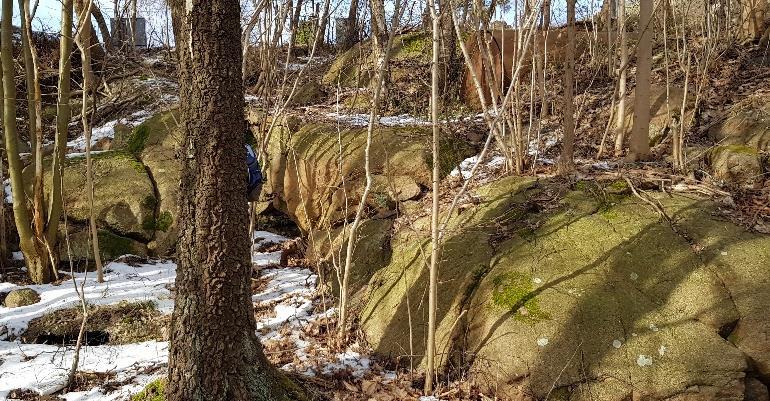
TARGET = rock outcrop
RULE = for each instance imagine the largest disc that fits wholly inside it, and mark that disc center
(135, 197)
(595, 297)
(742, 138)
(316, 170)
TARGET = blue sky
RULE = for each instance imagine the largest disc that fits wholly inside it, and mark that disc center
(48, 15)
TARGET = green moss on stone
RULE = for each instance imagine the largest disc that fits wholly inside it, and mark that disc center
(513, 291)
(155, 391)
(138, 139)
(113, 245)
(161, 223)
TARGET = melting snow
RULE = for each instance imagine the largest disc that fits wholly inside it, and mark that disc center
(362, 120)
(289, 295)
(108, 130)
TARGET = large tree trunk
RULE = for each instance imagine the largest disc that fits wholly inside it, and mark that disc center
(566, 163)
(102, 24)
(640, 142)
(215, 353)
(31, 242)
(352, 32)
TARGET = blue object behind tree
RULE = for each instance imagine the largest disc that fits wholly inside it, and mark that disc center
(255, 174)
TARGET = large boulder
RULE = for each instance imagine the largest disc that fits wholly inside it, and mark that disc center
(737, 164)
(21, 297)
(79, 249)
(317, 186)
(158, 153)
(747, 123)
(409, 72)
(665, 112)
(597, 298)
(371, 253)
(124, 196)
(742, 137)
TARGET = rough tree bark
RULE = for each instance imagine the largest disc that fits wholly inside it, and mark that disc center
(351, 35)
(566, 162)
(215, 353)
(640, 143)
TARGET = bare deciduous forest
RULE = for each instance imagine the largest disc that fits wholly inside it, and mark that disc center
(520, 200)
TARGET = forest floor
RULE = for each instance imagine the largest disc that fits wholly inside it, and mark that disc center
(291, 320)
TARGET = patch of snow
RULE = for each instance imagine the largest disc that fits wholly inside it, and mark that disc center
(108, 130)
(653, 327)
(537, 280)
(8, 191)
(662, 350)
(542, 341)
(44, 368)
(617, 344)
(362, 120)
(289, 293)
(122, 283)
(724, 253)
(644, 360)
(83, 154)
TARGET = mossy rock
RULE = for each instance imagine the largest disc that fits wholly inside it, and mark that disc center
(159, 155)
(307, 94)
(123, 193)
(408, 79)
(748, 124)
(123, 323)
(154, 391)
(665, 112)
(316, 191)
(21, 297)
(736, 164)
(371, 253)
(111, 246)
(534, 300)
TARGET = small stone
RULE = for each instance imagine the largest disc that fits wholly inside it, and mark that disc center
(537, 280)
(21, 297)
(542, 341)
(653, 327)
(616, 344)
(724, 253)
(634, 276)
(662, 350)
(644, 360)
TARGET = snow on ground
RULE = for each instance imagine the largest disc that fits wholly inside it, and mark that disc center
(289, 310)
(362, 120)
(108, 130)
